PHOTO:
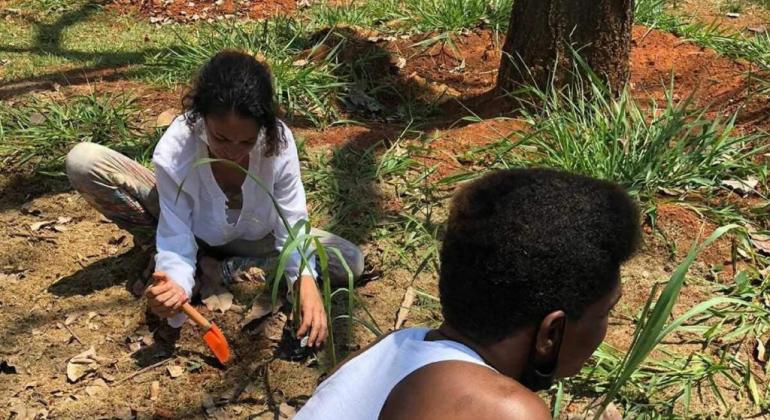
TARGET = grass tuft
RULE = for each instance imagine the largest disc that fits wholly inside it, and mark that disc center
(42, 131)
(304, 87)
(585, 130)
(456, 15)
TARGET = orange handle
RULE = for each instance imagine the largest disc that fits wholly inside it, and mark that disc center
(160, 277)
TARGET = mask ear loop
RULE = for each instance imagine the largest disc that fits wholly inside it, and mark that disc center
(539, 378)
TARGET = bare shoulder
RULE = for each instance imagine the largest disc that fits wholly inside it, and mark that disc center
(461, 390)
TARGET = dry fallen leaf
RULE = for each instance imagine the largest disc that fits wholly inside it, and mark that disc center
(39, 225)
(262, 307)
(71, 318)
(742, 186)
(759, 351)
(92, 325)
(251, 275)
(761, 242)
(406, 304)
(82, 364)
(286, 411)
(175, 371)
(166, 117)
(154, 390)
(63, 220)
(272, 328)
(216, 297)
(36, 118)
(94, 390)
(612, 412)
(125, 413)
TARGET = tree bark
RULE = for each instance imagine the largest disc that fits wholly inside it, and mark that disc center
(540, 33)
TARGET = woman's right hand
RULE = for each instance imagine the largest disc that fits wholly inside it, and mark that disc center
(165, 298)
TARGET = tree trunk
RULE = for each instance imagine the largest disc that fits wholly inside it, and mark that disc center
(540, 34)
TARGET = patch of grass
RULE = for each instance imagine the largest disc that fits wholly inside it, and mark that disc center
(42, 131)
(732, 6)
(46, 6)
(652, 13)
(304, 87)
(392, 16)
(754, 48)
(70, 44)
(665, 384)
(584, 129)
(366, 174)
(381, 14)
(456, 15)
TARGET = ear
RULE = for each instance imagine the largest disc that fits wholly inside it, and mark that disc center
(549, 335)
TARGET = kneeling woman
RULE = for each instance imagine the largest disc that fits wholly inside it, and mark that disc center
(201, 211)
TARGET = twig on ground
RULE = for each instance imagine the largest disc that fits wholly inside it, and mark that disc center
(143, 370)
(72, 333)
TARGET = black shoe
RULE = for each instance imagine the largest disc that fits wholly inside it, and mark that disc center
(166, 337)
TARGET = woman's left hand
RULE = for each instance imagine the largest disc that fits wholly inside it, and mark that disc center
(313, 314)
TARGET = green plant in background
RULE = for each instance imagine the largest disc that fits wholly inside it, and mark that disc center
(43, 131)
(456, 15)
(753, 47)
(586, 130)
(383, 14)
(652, 326)
(305, 82)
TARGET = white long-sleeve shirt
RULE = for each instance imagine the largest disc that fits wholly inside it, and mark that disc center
(200, 208)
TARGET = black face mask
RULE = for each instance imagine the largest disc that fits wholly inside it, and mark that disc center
(539, 375)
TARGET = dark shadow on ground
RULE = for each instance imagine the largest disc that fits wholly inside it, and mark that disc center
(21, 187)
(103, 274)
(48, 41)
(389, 103)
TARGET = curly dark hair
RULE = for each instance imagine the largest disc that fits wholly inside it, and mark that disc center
(233, 81)
(525, 242)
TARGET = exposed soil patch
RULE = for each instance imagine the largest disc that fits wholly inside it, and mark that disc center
(732, 16)
(682, 226)
(166, 11)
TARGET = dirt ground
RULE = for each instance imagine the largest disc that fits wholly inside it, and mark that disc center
(63, 285)
(182, 11)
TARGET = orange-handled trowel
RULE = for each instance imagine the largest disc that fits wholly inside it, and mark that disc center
(212, 335)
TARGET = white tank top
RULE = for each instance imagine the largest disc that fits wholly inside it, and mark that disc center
(358, 390)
